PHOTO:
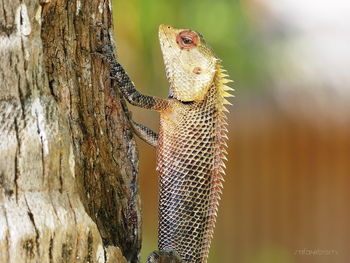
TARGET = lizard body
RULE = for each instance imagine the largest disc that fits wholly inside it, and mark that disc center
(191, 142)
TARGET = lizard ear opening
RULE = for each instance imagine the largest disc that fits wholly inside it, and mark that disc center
(192, 84)
(197, 70)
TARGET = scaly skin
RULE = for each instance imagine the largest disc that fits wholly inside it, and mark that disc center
(191, 143)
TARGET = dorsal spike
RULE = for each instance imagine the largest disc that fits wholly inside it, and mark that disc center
(220, 152)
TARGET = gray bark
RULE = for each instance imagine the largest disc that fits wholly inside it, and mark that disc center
(68, 162)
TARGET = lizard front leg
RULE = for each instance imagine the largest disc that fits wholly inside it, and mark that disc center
(134, 97)
(127, 87)
(137, 99)
(145, 133)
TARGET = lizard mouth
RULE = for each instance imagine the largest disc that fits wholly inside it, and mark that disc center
(165, 32)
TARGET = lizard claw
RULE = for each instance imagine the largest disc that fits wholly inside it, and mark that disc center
(104, 45)
(163, 256)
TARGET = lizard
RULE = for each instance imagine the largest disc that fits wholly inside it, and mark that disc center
(191, 144)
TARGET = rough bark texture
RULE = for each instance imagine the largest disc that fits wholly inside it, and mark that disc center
(68, 162)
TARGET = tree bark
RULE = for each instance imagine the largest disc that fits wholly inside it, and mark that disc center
(68, 161)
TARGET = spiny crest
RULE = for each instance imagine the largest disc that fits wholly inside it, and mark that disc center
(223, 90)
(220, 153)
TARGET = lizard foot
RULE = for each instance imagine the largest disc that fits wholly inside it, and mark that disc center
(163, 256)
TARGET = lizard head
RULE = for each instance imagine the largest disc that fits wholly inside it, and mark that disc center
(190, 63)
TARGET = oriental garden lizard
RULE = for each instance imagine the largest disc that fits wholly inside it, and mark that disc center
(190, 145)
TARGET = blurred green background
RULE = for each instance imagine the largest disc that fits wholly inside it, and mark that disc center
(286, 192)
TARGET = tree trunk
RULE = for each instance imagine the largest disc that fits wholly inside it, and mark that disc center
(68, 161)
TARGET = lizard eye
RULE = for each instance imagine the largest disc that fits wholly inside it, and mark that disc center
(187, 39)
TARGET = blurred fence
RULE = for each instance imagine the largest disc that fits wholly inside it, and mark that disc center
(287, 189)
